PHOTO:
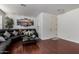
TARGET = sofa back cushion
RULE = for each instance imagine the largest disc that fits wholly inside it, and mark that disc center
(2, 31)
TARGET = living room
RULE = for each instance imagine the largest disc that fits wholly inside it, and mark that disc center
(39, 28)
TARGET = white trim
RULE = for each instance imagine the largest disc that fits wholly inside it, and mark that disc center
(45, 38)
(55, 38)
(64, 38)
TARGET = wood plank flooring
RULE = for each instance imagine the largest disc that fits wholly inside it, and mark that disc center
(49, 46)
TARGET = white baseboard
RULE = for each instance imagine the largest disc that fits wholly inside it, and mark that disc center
(55, 38)
(45, 38)
(68, 39)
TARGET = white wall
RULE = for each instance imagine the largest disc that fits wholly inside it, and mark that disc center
(15, 17)
(39, 21)
(0, 22)
(47, 25)
(2, 16)
(68, 25)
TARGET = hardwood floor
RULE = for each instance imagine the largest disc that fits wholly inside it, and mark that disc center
(45, 47)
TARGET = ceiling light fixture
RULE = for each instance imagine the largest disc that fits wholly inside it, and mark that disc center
(60, 10)
(24, 5)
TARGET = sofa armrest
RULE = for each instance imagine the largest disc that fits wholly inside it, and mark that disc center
(4, 45)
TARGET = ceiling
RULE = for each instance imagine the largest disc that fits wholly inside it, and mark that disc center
(35, 9)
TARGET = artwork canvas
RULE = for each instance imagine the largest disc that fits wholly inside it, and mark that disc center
(25, 22)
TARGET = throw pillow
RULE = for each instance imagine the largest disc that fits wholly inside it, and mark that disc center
(24, 32)
(7, 34)
(30, 33)
(33, 36)
(25, 38)
(2, 39)
(15, 33)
